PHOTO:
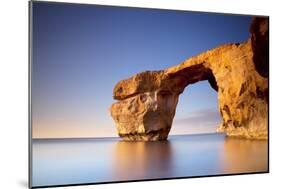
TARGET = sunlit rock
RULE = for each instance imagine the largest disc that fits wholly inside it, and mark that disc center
(238, 72)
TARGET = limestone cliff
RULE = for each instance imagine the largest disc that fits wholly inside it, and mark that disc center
(238, 72)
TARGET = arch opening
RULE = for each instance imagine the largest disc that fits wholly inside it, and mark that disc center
(197, 111)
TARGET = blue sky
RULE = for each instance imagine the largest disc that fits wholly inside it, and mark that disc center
(81, 51)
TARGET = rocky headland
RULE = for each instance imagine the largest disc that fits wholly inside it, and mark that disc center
(146, 102)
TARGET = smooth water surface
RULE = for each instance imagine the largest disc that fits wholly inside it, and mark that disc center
(74, 161)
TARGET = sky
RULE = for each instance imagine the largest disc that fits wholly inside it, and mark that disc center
(79, 53)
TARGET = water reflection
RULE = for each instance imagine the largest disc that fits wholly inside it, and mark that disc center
(73, 161)
(143, 159)
(245, 155)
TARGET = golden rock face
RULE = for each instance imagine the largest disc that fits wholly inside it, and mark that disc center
(147, 101)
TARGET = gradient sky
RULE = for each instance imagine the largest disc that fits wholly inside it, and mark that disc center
(81, 51)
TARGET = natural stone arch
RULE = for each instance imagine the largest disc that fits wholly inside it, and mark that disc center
(148, 100)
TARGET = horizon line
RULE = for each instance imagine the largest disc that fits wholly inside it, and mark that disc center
(62, 138)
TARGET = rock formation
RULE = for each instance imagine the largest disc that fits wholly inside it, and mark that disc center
(238, 72)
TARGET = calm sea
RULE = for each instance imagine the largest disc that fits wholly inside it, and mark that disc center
(74, 161)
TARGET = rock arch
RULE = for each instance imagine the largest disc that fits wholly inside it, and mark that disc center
(147, 101)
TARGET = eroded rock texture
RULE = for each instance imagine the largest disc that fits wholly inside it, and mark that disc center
(238, 72)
